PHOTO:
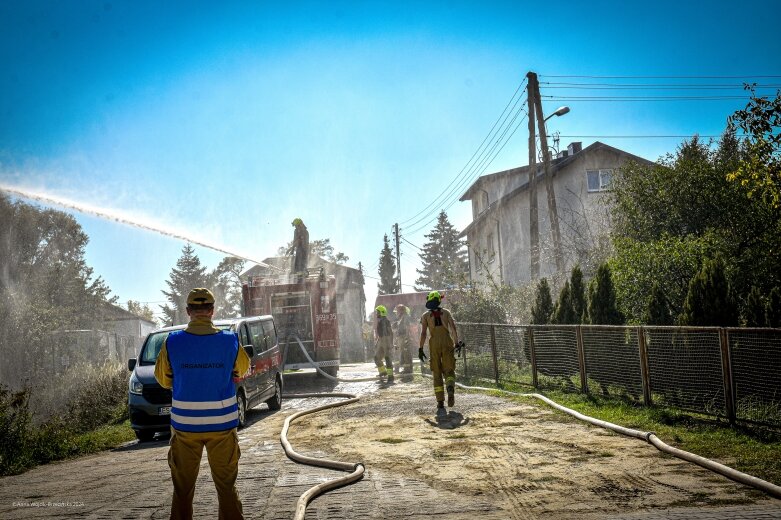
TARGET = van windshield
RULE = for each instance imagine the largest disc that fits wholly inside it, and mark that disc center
(153, 344)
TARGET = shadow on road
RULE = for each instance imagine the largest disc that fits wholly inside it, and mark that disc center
(449, 421)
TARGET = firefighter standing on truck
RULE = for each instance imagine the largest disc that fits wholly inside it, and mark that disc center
(383, 348)
(442, 345)
(199, 363)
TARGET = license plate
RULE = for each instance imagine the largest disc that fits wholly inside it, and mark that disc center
(164, 410)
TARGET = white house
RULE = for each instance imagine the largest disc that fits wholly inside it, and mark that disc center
(498, 236)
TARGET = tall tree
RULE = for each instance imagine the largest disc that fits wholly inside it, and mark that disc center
(227, 287)
(142, 311)
(658, 312)
(444, 257)
(602, 307)
(709, 301)
(760, 171)
(564, 313)
(755, 309)
(389, 284)
(578, 290)
(543, 304)
(668, 218)
(187, 275)
(46, 287)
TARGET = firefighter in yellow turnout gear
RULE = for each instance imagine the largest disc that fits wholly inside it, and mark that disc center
(384, 343)
(438, 324)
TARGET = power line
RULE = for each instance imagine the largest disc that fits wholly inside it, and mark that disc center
(479, 170)
(518, 89)
(410, 243)
(561, 84)
(641, 98)
(658, 77)
(641, 136)
(658, 87)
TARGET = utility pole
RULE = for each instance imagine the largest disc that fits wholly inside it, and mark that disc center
(398, 255)
(532, 89)
(552, 210)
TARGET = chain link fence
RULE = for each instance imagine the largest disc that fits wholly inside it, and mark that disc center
(733, 373)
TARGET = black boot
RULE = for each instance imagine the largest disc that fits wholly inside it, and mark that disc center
(451, 397)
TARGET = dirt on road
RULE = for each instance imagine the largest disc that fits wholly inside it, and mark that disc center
(488, 458)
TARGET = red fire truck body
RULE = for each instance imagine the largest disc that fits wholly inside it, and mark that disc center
(303, 307)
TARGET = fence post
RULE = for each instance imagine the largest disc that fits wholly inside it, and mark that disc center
(581, 359)
(466, 367)
(493, 352)
(533, 357)
(726, 370)
(645, 376)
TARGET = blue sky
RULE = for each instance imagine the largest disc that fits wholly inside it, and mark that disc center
(227, 120)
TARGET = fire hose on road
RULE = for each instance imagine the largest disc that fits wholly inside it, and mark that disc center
(356, 469)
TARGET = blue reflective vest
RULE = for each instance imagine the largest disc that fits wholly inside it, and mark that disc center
(204, 396)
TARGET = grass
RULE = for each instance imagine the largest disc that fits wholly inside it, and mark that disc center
(392, 440)
(752, 450)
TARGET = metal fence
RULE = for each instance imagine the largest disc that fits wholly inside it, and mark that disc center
(733, 373)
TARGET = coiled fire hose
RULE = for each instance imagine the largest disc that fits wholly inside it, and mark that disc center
(650, 437)
(356, 469)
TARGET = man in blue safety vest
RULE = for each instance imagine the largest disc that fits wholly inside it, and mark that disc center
(199, 363)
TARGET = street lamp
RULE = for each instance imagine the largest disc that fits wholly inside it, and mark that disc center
(559, 112)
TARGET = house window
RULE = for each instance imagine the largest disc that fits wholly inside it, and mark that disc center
(490, 252)
(598, 180)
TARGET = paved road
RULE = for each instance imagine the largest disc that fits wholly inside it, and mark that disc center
(133, 481)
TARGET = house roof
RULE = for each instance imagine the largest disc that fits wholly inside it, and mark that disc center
(556, 165)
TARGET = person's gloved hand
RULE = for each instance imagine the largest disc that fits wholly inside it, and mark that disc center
(459, 346)
(421, 355)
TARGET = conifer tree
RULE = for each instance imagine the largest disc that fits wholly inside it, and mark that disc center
(187, 275)
(755, 309)
(709, 301)
(578, 291)
(443, 257)
(389, 284)
(773, 309)
(602, 307)
(543, 304)
(564, 314)
(658, 311)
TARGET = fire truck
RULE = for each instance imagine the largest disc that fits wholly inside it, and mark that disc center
(304, 307)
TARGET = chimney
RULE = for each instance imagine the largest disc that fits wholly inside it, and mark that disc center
(562, 154)
(575, 147)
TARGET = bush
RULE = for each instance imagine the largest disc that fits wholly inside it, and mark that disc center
(658, 312)
(755, 309)
(709, 301)
(85, 399)
(773, 310)
(14, 430)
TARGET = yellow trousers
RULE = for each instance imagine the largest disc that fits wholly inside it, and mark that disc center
(443, 363)
(184, 458)
(384, 352)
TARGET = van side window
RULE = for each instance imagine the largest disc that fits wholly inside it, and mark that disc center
(256, 333)
(244, 335)
(271, 332)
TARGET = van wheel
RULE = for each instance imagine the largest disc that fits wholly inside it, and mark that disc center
(145, 435)
(242, 403)
(275, 402)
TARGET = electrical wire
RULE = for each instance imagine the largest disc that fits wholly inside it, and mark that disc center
(558, 84)
(641, 98)
(684, 136)
(518, 89)
(656, 77)
(413, 245)
(423, 226)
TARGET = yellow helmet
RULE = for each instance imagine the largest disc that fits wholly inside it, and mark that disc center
(297, 221)
(381, 310)
(433, 295)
